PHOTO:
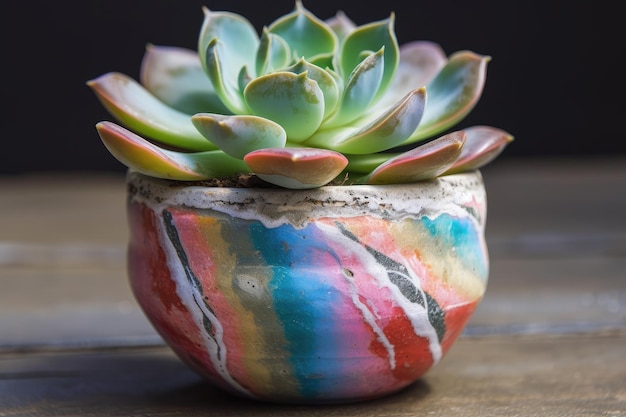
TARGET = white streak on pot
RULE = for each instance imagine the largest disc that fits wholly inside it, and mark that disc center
(417, 313)
(192, 299)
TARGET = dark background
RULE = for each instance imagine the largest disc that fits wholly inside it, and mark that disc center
(555, 80)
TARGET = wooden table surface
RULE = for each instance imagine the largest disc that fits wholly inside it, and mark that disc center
(549, 339)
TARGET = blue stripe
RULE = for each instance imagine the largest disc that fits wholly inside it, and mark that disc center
(303, 300)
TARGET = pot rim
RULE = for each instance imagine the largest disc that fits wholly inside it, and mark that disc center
(169, 184)
(455, 194)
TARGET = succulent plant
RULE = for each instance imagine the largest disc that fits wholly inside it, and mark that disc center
(305, 103)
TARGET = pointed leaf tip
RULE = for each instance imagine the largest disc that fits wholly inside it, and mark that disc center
(452, 94)
(425, 162)
(482, 145)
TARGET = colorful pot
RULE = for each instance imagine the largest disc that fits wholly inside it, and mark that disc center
(338, 294)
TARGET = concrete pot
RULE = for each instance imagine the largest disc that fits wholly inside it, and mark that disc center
(338, 294)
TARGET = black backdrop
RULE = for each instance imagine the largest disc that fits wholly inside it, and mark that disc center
(550, 81)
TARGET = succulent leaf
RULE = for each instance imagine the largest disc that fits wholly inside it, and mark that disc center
(297, 168)
(453, 93)
(244, 78)
(307, 36)
(360, 90)
(137, 153)
(482, 145)
(420, 62)
(367, 38)
(239, 135)
(325, 81)
(385, 132)
(175, 76)
(341, 24)
(226, 83)
(422, 163)
(292, 100)
(237, 36)
(361, 164)
(273, 53)
(135, 107)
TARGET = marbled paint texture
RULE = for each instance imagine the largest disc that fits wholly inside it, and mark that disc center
(337, 308)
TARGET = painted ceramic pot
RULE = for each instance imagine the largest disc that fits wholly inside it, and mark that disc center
(339, 294)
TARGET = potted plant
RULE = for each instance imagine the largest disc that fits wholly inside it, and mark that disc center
(305, 225)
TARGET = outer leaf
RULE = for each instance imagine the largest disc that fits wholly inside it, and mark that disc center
(306, 35)
(176, 77)
(135, 107)
(424, 162)
(292, 100)
(368, 38)
(420, 62)
(482, 145)
(137, 153)
(387, 131)
(452, 94)
(296, 168)
(360, 90)
(238, 135)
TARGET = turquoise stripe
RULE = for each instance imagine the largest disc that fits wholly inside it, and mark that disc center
(460, 237)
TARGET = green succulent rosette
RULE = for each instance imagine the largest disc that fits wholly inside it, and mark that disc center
(300, 105)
